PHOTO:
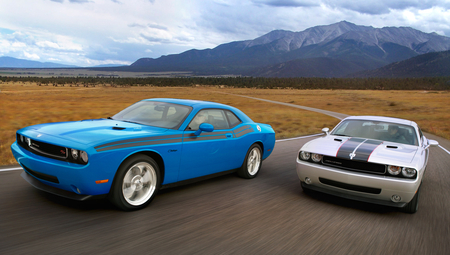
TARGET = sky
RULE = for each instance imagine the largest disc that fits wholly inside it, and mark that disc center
(99, 32)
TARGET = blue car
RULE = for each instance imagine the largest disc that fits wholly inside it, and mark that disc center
(152, 144)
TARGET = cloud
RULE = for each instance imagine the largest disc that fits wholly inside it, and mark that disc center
(74, 1)
(31, 56)
(288, 3)
(87, 31)
(379, 7)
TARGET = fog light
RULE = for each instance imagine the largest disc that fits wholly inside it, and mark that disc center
(308, 180)
(396, 198)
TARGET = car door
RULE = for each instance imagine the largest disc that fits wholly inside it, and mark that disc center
(208, 152)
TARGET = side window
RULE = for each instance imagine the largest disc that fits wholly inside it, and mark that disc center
(214, 117)
(232, 119)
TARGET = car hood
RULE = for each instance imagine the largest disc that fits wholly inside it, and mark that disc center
(362, 149)
(89, 132)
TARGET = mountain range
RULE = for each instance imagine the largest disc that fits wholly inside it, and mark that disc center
(336, 50)
(342, 49)
(10, 62)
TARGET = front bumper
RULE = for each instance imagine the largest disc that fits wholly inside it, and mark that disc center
(357, 186)
(61, 178)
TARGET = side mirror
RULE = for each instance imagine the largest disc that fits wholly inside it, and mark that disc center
(204, 127)
(432, 143)
(325, 130)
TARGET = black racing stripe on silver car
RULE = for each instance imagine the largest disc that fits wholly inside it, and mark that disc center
(365, 150)
(129, 145)
(357, 149)
(347, 148)
(150, 138)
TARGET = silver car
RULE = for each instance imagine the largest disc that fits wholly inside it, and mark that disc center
(373, 159)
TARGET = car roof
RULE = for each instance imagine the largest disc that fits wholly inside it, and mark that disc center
(198, 104)
(385, 119)
(189, 102)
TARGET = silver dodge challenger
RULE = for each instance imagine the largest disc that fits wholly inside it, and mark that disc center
(373, 159)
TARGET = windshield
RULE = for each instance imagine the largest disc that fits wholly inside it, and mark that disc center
(378, 130)
(157, 114)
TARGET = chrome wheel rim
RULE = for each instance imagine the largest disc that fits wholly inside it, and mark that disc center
(253, 161)
(139, 183)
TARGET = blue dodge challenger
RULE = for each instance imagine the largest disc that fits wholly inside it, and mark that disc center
(152, 144)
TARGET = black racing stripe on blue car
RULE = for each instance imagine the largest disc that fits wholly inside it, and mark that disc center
(150, 138)
(204, 138)
(246, 131)
(365, 150)
(129, 145)
(348, 147)
(208, 133)
(241, 128)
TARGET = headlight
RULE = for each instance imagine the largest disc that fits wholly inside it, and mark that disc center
(409, 172)
(316, 157)
(21, 138)
(74, 154)
(394, 170)
(84, 156)
(28, 141)
(305, 155)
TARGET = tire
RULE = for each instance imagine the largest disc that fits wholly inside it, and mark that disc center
(136, 183)
(252, 163)
(413, 205)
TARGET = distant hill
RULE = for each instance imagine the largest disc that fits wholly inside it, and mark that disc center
(309, 67)
(426, 65)
(10, 62)
(324, 51)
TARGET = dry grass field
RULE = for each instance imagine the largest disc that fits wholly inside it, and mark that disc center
(25, 104)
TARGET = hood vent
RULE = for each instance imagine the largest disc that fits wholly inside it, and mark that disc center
(391, 147)
(118, 128)
(338, 140)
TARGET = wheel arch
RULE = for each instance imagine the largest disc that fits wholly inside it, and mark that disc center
(152, 154)
(261, 144)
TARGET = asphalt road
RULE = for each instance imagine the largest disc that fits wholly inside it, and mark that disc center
(229, 215)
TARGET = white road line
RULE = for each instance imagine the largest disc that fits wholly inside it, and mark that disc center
(296, 138)
(11, 169)
(444, 149)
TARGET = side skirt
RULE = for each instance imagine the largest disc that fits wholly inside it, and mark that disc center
(198, 179)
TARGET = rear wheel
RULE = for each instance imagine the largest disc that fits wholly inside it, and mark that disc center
(413, 205)
(252, 163)
(136, 183)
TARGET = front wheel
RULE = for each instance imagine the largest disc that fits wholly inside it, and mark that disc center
(252, 163)
(136, 183)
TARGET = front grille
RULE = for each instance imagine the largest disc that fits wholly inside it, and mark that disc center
(43, 149)
(49, 149)
(352, 165)
(350, 186)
